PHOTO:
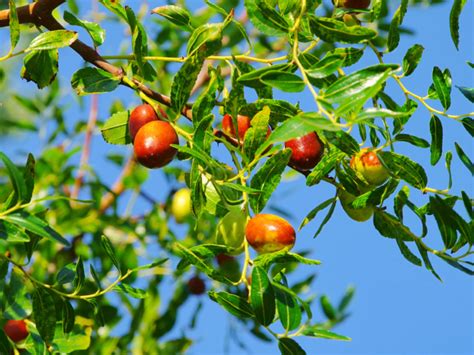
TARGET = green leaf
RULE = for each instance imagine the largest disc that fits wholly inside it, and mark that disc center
(266, 260)
(267, 179)
(316, 332)
(326, 219)
(94, 30)
(40, 67)
(426, 260)
(110, 251)
(44, 313)
(328, 309)
(262, 296)
(12, 233)
(115, 129)
(442, 84)
(257, 133)
(35, 225)
(68, 317)
(413, 140)
(93, 81)
(390, 227)
(184, 81)
(343, 141)
(333, 30)
(394, 30)
(283, 81)
(324, 167)
(279, 110)
(288, 346)
(325, 67)
(52, 40)
(412, 59)
(252, 78)
(405, 169)
(14, 25)
(352, 91)
(408, 254)
(346, 300)
(66, 274)
(16, 297)
(288, 309)
(235, 305)
(464, 158)
(18, 181)
(444, 219)
(265, 18)
(467, 92)
(206, 39)
(176, 15)
(311, 215)
(80, 276)
(29, 176)
(436, 147)
(131, 291)
(454, 15)
(350, 55)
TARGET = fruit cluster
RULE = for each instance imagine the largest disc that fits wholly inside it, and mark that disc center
(152, 138)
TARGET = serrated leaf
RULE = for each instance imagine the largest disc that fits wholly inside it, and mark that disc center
(405, 169)
(288, 309)
(41, 67)
(115, 130)
(262, 296)
(94, 30)
(16, 178)
(257, 133)
(14, 25)
(267, 179)
(332, 30)
(408, 254)
(442, 85)
(413, 140)
(131, 291)
(176, 15)
(324, 167)
(283, 81)
(52, 40)
(390, 227)
(352, 91)
(314, 212)
(265, 18)
(464, 158)
(93, 81)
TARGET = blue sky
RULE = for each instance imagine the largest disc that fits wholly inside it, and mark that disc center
(398, 308)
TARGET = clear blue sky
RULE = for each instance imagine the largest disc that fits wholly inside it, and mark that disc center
(398, 308)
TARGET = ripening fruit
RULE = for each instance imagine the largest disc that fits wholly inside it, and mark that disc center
(243, 124)
(357, 214)
(306, 151)
(353, 4)
(152, 144)
(140, 116)
(16, 330)
(231, 230)
(181, 206)
(196, 285)
(367, 164)
(267, 233)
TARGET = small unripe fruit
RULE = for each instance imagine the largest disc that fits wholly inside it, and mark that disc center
(152, 144)
(16, 330)
(367, 164)
(267, 233)
(196, 285)
(140, 116)
(306, 151)
(231, 230)
(243, 124)
(357, 214)
(353, 4)
(181, 206)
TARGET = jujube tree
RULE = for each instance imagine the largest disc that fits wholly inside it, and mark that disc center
(206, 79)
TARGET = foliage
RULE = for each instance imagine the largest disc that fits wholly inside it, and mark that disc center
(66, 244)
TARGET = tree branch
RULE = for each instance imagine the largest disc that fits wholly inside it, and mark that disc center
(40, 13)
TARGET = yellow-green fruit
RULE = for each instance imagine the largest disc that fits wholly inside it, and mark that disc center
(367, 164)
(357, 214)
(181, 206)
(231, 231)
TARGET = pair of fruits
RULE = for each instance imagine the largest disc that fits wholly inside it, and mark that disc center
(307, 150)
(368, 166)
(151, 137)
(16, 330)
